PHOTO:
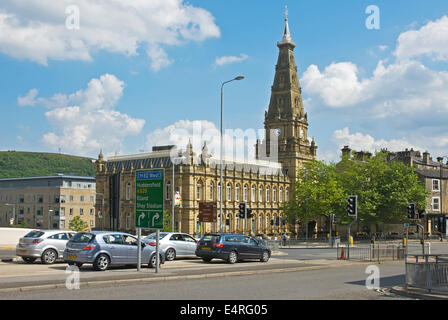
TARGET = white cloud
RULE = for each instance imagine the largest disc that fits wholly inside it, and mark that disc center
(36, 29)
(365, 142)
(220, 61)
(28, 99)
(85, 121)
(430, 40)
(238, 143)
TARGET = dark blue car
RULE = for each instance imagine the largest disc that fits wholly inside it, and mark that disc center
(231, 247)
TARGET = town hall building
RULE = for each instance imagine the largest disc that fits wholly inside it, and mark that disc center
(263, 184)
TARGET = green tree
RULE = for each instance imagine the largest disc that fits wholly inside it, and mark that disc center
(317, 192)
(384, 189)
(78, 225)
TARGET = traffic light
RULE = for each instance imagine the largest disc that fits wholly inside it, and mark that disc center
(242, 210)
(411, 211)
(421, 214)
(335, 219)
(352, 206)
(249, 214)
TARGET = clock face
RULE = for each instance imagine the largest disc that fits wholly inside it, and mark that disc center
(278, 131)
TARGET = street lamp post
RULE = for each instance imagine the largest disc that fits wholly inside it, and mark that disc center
(441, 194)
(174, 160)
(49, 217)
(220, 159)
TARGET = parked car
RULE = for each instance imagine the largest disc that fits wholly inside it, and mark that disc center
(231, 247)
(175, 244)
(46, 245)
(105, 248)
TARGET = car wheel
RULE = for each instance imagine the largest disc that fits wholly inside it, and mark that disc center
(207, 259)
(49, 256)
(265, 256)
(28, 260)
(233, 257)
(170, 254)
(101, 263)
(152, 261)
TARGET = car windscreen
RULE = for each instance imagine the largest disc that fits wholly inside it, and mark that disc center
(34, 234)
(152, 236)
(82, 238)
(211, 238)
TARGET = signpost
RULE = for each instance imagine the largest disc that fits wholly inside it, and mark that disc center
(149, 186)
(207, 213)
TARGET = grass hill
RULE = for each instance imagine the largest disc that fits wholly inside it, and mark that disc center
(17, 164)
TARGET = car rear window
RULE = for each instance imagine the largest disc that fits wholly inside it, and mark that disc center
(211, 238)
(152, 236)
(82, 238)
(34, 234)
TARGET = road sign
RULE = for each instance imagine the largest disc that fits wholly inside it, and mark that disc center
(207, 211)
(149, 198)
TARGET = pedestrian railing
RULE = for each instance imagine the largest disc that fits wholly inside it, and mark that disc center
(373, 252)
(429, 271)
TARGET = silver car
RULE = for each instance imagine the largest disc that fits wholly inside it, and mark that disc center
(175, 244)
(48, 245)
(105, 248)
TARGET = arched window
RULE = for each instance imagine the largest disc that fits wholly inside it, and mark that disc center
(260, 194)
(237, 192)
(253, 194)
(287, 195)
(260, 223)
(280, 195)
(168, 191)
(268, 194)
(229, 192)
(198, 190)
(274, 195)
(229, 222)
(245, 193)
(128, 191)
(211, 191)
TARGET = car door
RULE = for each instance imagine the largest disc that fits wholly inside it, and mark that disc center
(58, 241)
(254, 248)
(190, 245)
(116, 248)
(242, 247)
(178, 243)
(132, 252)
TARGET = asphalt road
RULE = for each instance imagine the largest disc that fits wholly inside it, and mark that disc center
(332, 283)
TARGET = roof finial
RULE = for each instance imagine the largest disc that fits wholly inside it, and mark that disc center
(286, 34)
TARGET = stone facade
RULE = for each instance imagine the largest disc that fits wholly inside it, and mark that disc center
(263, 184)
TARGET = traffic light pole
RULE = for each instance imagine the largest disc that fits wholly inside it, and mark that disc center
(331, 224)
(245, 220)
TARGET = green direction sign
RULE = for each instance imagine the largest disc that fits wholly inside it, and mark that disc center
(149, 198)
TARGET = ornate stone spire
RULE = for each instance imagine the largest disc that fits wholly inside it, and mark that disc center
(286, 35)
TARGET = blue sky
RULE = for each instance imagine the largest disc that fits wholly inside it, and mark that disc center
(132, 75)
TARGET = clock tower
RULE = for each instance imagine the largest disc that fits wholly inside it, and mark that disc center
(286, 123)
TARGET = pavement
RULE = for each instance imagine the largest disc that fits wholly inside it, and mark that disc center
(20, 277)
(417, 293)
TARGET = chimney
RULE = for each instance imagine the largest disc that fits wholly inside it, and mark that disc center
(426, 157)
(346, 151)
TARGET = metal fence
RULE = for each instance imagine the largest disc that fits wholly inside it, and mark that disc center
(430, 272)
(373, 252)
